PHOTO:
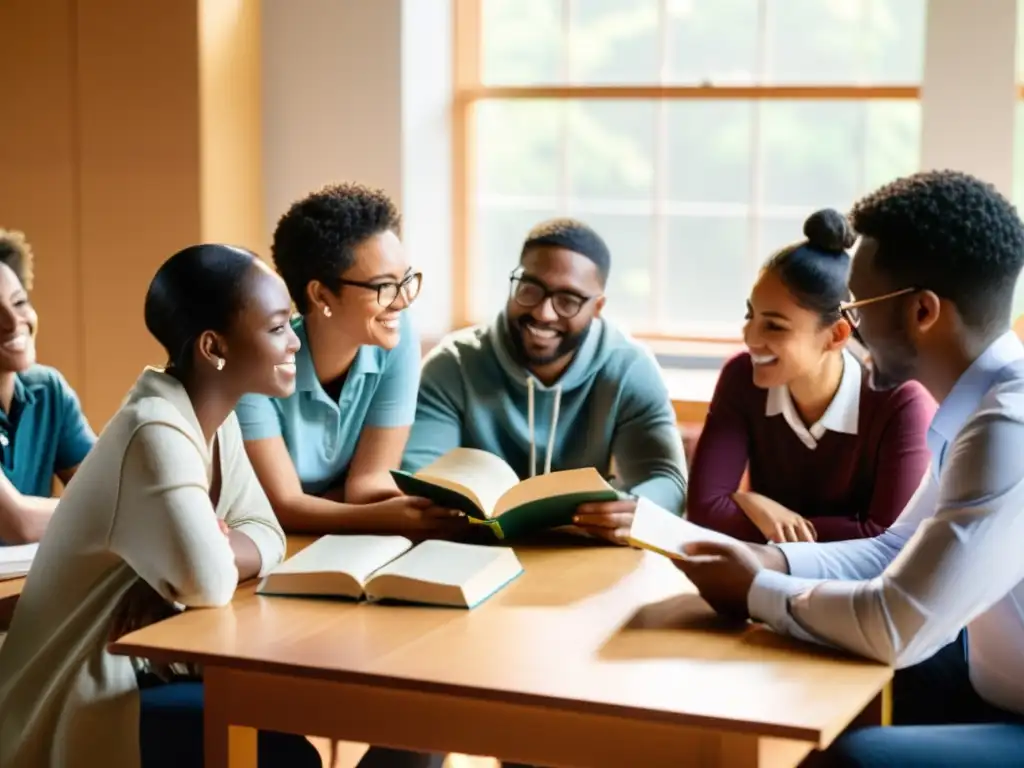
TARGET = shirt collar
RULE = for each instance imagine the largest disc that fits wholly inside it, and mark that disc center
(365, 361)
(968, 392)
(842, 414)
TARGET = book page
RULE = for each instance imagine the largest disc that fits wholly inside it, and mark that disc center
(562, 483)
(16, 560)
(358, 556)
(442, 562)
(660, 531)
(480, 476)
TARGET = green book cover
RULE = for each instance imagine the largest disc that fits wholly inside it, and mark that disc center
(486, 489)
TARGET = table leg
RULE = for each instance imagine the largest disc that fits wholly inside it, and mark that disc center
(225, 745)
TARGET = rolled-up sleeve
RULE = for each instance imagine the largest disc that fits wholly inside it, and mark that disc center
(956, 565)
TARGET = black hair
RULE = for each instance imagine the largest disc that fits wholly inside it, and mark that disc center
(16, 253)
(575, 236)
(951, 233)
(816, 270)
(198, 289)
(316, 238)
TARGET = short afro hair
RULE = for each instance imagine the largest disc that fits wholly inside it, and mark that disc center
(317, 237)
(951, 233)
(572, 235)
(16, 253)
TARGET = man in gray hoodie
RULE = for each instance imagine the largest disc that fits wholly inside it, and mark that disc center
(550, 385)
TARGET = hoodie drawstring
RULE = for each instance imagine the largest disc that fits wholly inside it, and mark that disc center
(551, 431)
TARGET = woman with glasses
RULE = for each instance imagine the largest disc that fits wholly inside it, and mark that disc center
(829, 456)
(324, 453)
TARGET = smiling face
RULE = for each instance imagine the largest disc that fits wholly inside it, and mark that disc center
(355, 310)
(259, 346)
(18, 322)
(786, 341)
(540, 333)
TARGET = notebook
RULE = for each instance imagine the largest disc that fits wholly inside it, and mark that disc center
(390, 568)
(489, 491)
(16, 560)
(660, 531)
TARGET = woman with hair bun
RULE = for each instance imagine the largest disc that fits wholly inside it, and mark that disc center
(164, 514)
(829, 458)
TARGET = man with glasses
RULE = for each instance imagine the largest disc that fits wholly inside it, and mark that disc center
(551, 385)
(934, 278)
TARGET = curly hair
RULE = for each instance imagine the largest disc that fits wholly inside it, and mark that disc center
(16, 253)
(951, 233)
(316, 238)
(575, 236)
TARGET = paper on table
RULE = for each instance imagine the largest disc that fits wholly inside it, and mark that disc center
(660, 531)
(16, 560)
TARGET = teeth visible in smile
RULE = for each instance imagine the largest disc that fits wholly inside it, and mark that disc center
(391, 325)
(541, 333)
(286, 367)
(17, 344)
(762, 359)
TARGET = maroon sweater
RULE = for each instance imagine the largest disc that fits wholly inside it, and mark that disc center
(849, 487)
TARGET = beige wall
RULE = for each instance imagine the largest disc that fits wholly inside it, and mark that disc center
(102, 161)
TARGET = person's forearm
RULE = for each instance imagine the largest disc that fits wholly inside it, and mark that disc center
(23, 520)
(724, 515)
(771, 557)
(316, 515)
(844, 528)
(366, 489)
(247, 555)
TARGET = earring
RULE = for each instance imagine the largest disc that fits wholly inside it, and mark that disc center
(219, 364)
(327, 311)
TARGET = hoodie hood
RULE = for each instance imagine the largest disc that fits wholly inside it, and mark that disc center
(584, 366)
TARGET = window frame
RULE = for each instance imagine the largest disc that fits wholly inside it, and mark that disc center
(469, 90)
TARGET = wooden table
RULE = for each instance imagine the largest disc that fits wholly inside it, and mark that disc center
(690, 392)
(10, 589)
(596, 656)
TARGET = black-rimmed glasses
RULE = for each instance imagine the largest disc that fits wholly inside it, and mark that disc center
(387, 293)
(850, 310)
(530, 292)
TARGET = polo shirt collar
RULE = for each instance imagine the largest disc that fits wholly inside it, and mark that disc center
(306, 380)
(965, 397)
(842, 414)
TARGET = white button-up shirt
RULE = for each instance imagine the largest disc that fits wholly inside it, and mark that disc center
(842, 414)
(952, 559)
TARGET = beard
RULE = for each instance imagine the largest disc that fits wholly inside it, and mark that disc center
(895, 365)
(567, 344)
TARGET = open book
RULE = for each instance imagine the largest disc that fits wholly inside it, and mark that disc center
(660, 531)
(16, 560)
(391, 568)
(489, 491)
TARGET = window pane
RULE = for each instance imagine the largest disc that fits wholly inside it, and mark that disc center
(892, 145)
(712, 41)
(518, 147)
(613, 41)
(500, 236)
(630, 239)
(776, 232)
(610, 149)
(709, 274)
(521, 42)
(846, 41)
(709, 151)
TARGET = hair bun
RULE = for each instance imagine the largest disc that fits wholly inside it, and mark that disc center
(828, 230)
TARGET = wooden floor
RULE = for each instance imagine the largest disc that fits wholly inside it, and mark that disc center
(347, 754)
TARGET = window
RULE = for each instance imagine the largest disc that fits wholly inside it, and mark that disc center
(694, 135)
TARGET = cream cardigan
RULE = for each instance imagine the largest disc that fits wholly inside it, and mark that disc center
(139, 506)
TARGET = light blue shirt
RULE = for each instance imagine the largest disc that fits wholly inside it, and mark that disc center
(952, 558)
(322, 433)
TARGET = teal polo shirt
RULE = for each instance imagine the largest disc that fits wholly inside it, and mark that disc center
(322, 433)
(44, 433)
